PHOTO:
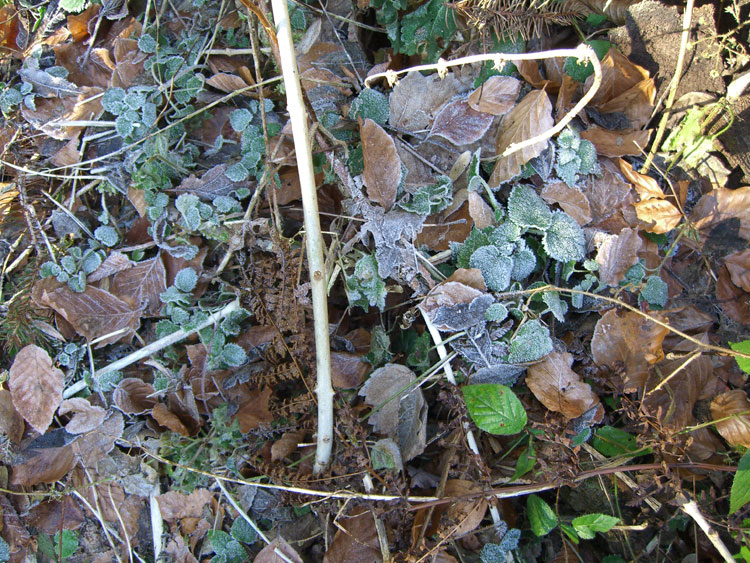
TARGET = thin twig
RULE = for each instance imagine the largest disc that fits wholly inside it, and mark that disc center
(315, 257)
(690, 507)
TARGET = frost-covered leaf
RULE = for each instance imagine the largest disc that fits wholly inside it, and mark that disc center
(496, 96)
(462, 251)
(494, 408)
(532, 116)
(106, 235)
(555, 305)
(497, 312)
(559, 388)
(616, 255)
(186, 279)
(422, 28)
(564, 240)
(113, 100)
(417, 98)
(143, 283)
(36, 386)
(237, 172)
(239, 119)
(524, 263)
(496, 268)
(655, 291)
(382, 172)
(370, 104)
(428, 200)
(365, 286)
(527, 209)
(46, 84)
(461, 124)
(572, 201)
(461, 316)
(531, 342)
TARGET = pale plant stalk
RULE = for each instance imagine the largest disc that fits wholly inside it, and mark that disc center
(690, 507)
(315, 254)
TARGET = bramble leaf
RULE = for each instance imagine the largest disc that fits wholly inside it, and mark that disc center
(494, 408)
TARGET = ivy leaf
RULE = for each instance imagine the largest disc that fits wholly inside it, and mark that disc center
(527, 209)
(588, 524)
(564, 240)
(532, 341)
(541, 516)
(494, 408)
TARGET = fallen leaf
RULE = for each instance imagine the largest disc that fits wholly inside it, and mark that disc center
(94, 446)
(179, 550)
(114, 263)
(736, 429)
(564, 102)
(45, 459)
(8, 27)
(347, 370)
(54, 515)
(225, 82)
(94, 313)
(572, 201)
(212, 183)
(78, 24)
(268, 553)
(628, 343)
(49, 112)
(143, 283)
(86, 417)
(734, 302)
(618, 76)
(460, 124)
(254, 412)
(287, 444)
(637, 103)
(617, 143)
(133, 396)
(36, 386)
(559, 388)
(496, 96)
(607, 194)
(721, 205)
(738, 265)
(11, 423)
(455, 305)
(617, 253)
(480, 211)
(357, 541)
(14, 531)
(402, 414)
(530, 72)
(660, 215)
(532, 116)
(161, 414)
(382, 171)
(463, 516)
(175, 505)
(417, 98)
(646, 186)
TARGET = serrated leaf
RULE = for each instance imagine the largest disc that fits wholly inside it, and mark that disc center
(541, 516)
(655, 292)
(496, 269)
(587, 525)
(532, 341)
(564, 240)
(494, 408)
(370, 104)
(740, 492)
(527, 209)
(421, 29)
(463, 252)
(743, 347)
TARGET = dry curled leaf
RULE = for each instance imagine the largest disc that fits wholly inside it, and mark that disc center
(464, 516)
(417, 98)
(734, 302)
(735, 405)
(617, 143)
(617, 253)
(458, 122)
(618, 75)
(646, 186)
(93, 446)
(287, 444)
(382, 172)
(738, 265)
(11, 423)
(496, 96)
(36, 386)
(532, 116)
(637, 103)
(480, 211)
(629, 344)
(559, 388)
(268, 554)
(660, 215)
(720, 206)
(175, 505)
(86, 417)
(574, 202)
(133, 396)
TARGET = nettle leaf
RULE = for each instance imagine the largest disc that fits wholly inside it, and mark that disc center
(106, 235)
(655, 292)
(527, 209)
(124, 126)
(497, 312)
(564, 240)
(494, 408)
(524, 263)
(574, 156)
(237, 172)
(496, 268)
(243, 532)
(532, 342)
(73, 6)
(556, 306)
(371, 104)
(422, 28)
(186, 280)
(365, 286)
(541, 516)
(587, 525)
(113, 100)
(239, 119)
(462, 252)
(147, 43)
(431, 199)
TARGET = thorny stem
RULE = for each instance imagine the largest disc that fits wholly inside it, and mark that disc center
(582, 52)
(315, 255)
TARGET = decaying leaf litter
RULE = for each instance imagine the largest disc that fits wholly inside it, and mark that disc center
(531, 338)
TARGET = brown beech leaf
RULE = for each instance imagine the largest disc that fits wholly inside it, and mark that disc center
(618, 76)
(347, 370)
(607, 194)
(455, 295)
(722, 205)
(254, 411)
(630, 343)
(43, 465)
(496, 96)
(53, 515)
(480, 211)
(11, 423)
(636, 103)
(661, 215)
(735, 404)
(530, 72)
(212, 183)
(559, 388)
(167, 418)
(738, 264)
(36, 386)
(268, 553)
(646, 186)
(357, 541)
(382, 172)
(287, 444)
(93, 446)
(114, 263)
(734, 302)
(564, 102)
(617, 143)
(572, 201)
(175, 505)
(226, 82)
(143, 283)
(532, 116)
(617, 253)
(460, 124)
(86, 417)
(464, 515)
(132, 396)
(14, 531)
(94, 313)
(417, 98)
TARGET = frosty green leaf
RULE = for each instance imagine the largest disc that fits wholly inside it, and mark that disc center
(532, 342)
(655, 291)
(494, 408)
(564, 240)
(73, 6)
(113, 100)
(147, 43)
(524, 263)
(555, 305)
(233, 355)
(527, 209)
(186, 279)
(91, 262)
(371, 104)
(422, 28)
(365, 286)
(237, 172)
(106, 235)
(496, 269)
(431, 199)
(243, 532)
(496, 312)
(239, 119)
(124, 126)
(574, 156)
(462, 252)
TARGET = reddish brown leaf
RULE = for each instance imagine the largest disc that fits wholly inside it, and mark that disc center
(464, 516)
(559, 388)
(287, 444)
(86, 417)
(630, 343)
(617, 143)
(564, 102)
(254, 412)
(45, 465)
(226, 82)
(268, 553)
(212, 183)
(114, 263)
(143, 283)
(14, 532)
(451, 225)
(93, 446)
(480, 211)
(94, 313)
(461, 124)
(347, 370)
(607, 194)
(532, 116)
(53, 515)
(357, 541)
(11, 423)
(175, 505)
(179, 550)
(382, 173)
(530, 72)
(78, 24)
(637, 103)
(720, 205)
(738, 265)
(8, 27)
(50, 111)
(572, 201)
(166, 418)
(35, 386)
(734, 302)
(617, 253)
(660, 215)
(496, 96)
(132, 396)
(734, 404)
(618, 76)
(646, 186)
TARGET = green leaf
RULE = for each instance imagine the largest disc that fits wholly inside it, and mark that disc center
(532, 341)
(366, 287)
(243, 532)
(69, 544)
(740, 493)
(655, 291)
(380, 344)
(185, 280)
(497, 312)
(227, 547)
(496, 269)
(239, 119)
(106, 235)
(370, 104)
(564, 240)
(611, 442)
(570, 531)
(743, 347)
(525, 463)
(463, 252)
(494, 408)
(541, 516)
(73, 6)
(527, 209)
(431, 199)
(588, 524)
(595, 20)
(113, 100)
(422, 28)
